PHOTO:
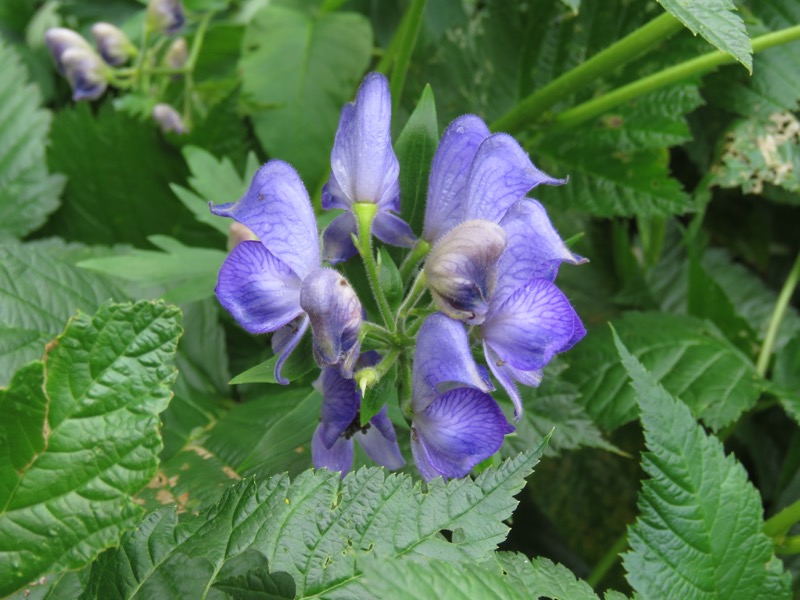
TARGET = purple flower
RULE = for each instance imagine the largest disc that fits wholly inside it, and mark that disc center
(364, 168)
(340, 425)
(86, 73)
(276, 284)
(113, 45)
(456, 424)
(166, 16)
(61, 39)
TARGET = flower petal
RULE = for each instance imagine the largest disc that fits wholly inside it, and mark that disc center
(442, 360)
(501, 174)
(534, 249)
(284, 342)
(260, 291)
(531, 325)
(338, 457)
(340, 403)
(363, 161)
(507, 375)
(392, 230)
(457, 431)
(278, 210)
(337, 238)
(380, 442)
(449, 171)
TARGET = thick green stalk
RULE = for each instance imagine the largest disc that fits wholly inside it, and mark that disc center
(790, 545)
(408, 40)
(365, 213)
(777, 317)
(690, 68)
(631, 46)
(417, 253)
(778, 525)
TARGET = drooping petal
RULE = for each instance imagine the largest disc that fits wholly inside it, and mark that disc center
(534, 249)
(380, 442)
(508, 375)
(501, 174)
(442, 360)
(447, 184)
(461, 269)
(340, 403)
(336, 315)
(339, 457)
(363, 161)
(285, 340)
(332, 195)
(457, 431)
(531, 325)
(337, 238)
(392, 230)
(278, 210)
(260, 291)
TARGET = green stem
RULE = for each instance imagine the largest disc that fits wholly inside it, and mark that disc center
(778, 525)
(140, 57)
(697, 66)
(619, 53)
(369, 376)
(777, 317)
(365, 213)
(419, 252)
(405, 384)
(609, 559)
(790, 545)
(414, 295)
(406, 46)
(188, 80)
(376, 332)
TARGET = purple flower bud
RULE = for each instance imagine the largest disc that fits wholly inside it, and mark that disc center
(461, 269)
(166, 16)
(113, 44)
(177, 54)
(336, 315)
(59, 40)
(169, 119)
(86, 73)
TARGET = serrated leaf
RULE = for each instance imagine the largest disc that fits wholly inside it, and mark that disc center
(700, 531)
(258, 584)
(541, 577)
(717, 22)
(299, 362)
(687, 355)
(315, 528)
(314, 63)
(80, 435)
(38, 294)
(28, 193)
(415, 148)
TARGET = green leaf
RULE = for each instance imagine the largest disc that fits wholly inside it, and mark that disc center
(415, 148)
(717, 22)
(301, 68)
(316, 529)
(80, 434)
(258, 584)
(389, 278)
(687, 355)
(299, 362)
(28, 193)
(699, 533)
(541, 577)
(38, 293)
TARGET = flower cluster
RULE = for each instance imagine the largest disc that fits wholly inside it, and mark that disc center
(492, 259)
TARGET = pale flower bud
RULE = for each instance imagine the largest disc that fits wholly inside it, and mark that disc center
(177, 54)
(169, 119)
(86, 73)
(166, 16)
(61, 39)
(113, 45)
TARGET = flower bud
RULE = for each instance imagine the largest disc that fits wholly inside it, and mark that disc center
(59, 40)
(166, 16)
(461, 269)
(86, 73)
(177, 54)
(169, 119)
(336, 315)
(113, 45)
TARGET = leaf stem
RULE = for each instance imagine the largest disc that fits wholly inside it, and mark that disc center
(762, 364)
(790, 545)
(608, 560)
(777, 525)
(619, 53)
(365, 212)
(188, 80)
(408, 39)
(690, 68)
(414, 295)
(419, 252)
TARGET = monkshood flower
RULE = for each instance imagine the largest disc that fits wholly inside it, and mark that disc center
(86, 72)
(276, 284)
(340, 425)
(166, 16)
(168, 119)
(177, 54)
(456, 423)
(113, 45)
(61, 39)
(364, 168)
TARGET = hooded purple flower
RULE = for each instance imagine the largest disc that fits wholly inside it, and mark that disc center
(364, 168)
(456, 424)
(340, 425)
(276, 283)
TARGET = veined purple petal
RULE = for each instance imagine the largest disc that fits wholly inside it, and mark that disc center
(379, 441)
(392, 230)
(363, 161)
(337, 238)
(531, 325)
(339, 457)
(333, 196)
(278, 210)
(534, 249)
(457, 431)
(260, 291)
(336, 315)
(501, 174)
(508, 375)
(340, 403)
(447, 184)
(285, 340)
(442, 360)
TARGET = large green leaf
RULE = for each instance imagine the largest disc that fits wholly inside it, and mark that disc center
(79, 436)
(699, 534)
(298, 69)
(687, 355)
(28, 193)
(541, 577)
(314, 529)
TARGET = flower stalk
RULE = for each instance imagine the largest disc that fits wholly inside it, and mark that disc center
(365, 213)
